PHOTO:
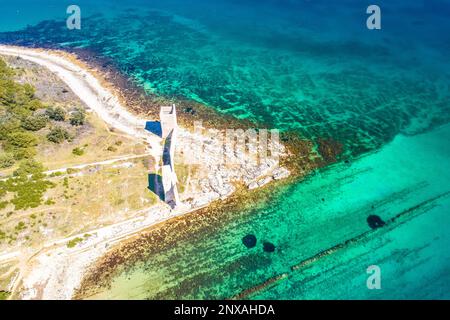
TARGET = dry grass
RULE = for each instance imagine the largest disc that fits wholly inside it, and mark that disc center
(82, 201)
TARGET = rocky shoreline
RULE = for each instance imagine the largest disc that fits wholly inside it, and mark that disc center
(235, 186)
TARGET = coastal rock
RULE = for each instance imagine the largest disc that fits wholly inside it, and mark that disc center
(280, 173)
(264, 181)
(253, 185)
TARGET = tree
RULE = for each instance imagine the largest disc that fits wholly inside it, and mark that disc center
(58, 135)
(21, 139)
(78, 117)
(24, 153)
(34, 105)
(8, 124)
(35, 123)
(57, 114)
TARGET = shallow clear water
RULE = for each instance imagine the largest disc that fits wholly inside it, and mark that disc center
(313, 67)
(406, 176)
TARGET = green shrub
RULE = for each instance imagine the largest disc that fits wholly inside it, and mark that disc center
(57, 114)
(34, 105)
(6, 160)
(28, 192)
(4, 295)
(3, 204)
(21, 139)
(30, 168)
(21, 144)
(55, 174)
(78, 151)
(72, 243)
(24, 153)
(49, 202)
(58, 135)
(20, 226)
(5, 70)
(35, 123)
(78, 117)
(8, 124)
(66, 182)
(28, 90)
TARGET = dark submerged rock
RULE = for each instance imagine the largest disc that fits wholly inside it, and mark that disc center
(189, 110)
(268, 247)
(375, 221)
(249, 241)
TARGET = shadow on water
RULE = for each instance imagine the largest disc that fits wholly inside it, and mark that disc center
(155, 185)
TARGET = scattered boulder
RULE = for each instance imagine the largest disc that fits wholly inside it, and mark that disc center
(375, 221)
(253, 185)
(189, 110)
(268, 247)
(264, 181)
(280, 173)
(249, 241)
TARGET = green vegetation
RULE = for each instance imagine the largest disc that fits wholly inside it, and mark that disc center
(3, 204)
(6, 160)
(58, 135)
(35, 122)
(20, 139)
(20, 226)
(56, 174)
(71, 170)
(4, 295)
(28, 185)
(78, 117)
(72, 243)
(57, 114)
(78, 151)
(49, 202)
(28, 168)
(17, 118)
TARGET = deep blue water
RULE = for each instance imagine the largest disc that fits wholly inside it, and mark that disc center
(312, 67)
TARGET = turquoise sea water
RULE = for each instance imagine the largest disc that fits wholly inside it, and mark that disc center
(312, 67)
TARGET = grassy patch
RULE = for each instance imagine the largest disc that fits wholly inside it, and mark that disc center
(28, 186)
(72, 243)
(78, 151)
(4, 295)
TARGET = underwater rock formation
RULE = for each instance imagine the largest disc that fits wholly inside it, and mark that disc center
(249, 241)
(375, 221)
(268, 247)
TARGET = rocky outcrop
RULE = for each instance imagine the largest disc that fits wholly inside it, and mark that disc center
(217, 178)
